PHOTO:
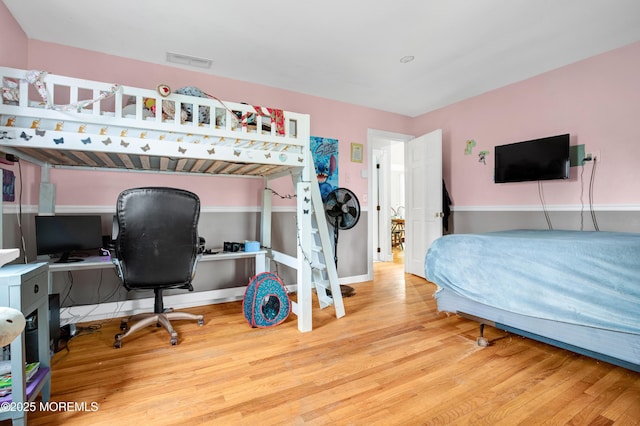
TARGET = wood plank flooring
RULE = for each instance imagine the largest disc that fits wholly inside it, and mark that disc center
(392, 360)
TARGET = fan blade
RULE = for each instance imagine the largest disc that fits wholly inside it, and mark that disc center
(334, 212)
(353, 211)
(343, 221)
(346, 198)
(332, 197)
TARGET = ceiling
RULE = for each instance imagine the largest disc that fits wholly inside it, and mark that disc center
(348, 50)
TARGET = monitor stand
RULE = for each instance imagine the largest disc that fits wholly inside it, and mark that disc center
(66, 259)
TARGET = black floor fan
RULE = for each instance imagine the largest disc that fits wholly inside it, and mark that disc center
(342, 209)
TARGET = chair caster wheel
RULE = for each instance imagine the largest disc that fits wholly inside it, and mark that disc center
(174, 341)
(482, 342)
(118, 343)
(124, 325)
(201, 322)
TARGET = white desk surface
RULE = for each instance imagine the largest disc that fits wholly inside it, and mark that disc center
(104, 262)
(130, 307)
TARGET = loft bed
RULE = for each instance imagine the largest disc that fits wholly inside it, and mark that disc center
(69, 122)
(63, 122)
(576, 290)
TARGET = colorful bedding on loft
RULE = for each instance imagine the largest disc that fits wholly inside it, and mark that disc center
(585, 278)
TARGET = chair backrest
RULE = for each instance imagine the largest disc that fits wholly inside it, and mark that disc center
(157, 237)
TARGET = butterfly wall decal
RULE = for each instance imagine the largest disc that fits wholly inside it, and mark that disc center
(25, 136)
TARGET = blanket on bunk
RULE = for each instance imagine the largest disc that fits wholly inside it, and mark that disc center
(587, 278)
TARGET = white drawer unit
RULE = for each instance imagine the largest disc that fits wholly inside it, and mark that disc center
(25, 287)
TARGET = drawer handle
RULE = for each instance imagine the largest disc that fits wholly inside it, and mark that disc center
(36, 288)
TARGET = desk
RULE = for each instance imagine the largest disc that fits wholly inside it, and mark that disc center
(136, 306)
(22, 287)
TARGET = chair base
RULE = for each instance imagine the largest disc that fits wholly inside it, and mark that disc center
(163, 319)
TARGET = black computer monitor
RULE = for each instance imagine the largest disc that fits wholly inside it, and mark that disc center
(64, 234)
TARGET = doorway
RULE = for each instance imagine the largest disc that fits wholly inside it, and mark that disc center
(403, 186)
(386, 193)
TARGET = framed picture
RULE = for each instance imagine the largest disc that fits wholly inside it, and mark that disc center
(356, 152)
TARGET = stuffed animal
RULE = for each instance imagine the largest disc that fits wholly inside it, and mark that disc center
(203, 112)
(168, 109)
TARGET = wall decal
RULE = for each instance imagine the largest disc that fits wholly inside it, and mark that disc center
(482, 157)
(468, 149)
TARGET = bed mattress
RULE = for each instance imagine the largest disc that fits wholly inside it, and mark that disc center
(590, 279)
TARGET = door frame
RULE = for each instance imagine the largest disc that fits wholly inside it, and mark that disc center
(379, 140)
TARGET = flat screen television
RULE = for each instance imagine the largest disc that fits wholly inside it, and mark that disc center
(537, 159)
(65, 234)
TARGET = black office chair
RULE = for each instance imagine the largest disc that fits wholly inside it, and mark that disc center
(156, 247)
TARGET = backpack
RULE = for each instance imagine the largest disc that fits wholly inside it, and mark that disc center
(266, 301)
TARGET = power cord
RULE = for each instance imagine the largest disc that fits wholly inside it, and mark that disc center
(544, 205)
(591, 182)
(593, 213)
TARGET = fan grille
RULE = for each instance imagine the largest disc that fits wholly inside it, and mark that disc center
(342, 208)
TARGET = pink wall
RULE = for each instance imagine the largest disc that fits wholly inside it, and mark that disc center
(13, 41)
(596, 100)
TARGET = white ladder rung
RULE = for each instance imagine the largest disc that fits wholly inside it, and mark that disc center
(318, 266)
(325, 301)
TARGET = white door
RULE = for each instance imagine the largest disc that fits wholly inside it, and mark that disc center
(423, 217)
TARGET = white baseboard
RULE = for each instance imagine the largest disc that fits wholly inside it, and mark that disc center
(125, 308)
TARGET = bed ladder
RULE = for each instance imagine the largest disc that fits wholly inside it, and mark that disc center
(314, 253)
(315, 249)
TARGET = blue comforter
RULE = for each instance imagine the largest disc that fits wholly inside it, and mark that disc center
(587, 278)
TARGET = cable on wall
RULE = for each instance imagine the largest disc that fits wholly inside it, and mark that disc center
(544, 205)
(581, 197)
(593, 213)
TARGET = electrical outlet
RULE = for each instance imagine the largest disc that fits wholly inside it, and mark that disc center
(594, 156)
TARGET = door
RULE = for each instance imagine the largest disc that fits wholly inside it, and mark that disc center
(423, 217)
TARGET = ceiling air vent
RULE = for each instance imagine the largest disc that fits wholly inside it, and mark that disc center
(192, 61)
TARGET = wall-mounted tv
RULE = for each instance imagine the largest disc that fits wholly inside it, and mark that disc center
(537, 159)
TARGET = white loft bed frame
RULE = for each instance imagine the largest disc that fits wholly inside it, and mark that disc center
(111, 134)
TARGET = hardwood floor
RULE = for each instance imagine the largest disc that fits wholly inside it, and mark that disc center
(392, 360)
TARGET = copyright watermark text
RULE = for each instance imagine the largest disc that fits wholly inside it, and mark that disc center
(49, 406)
